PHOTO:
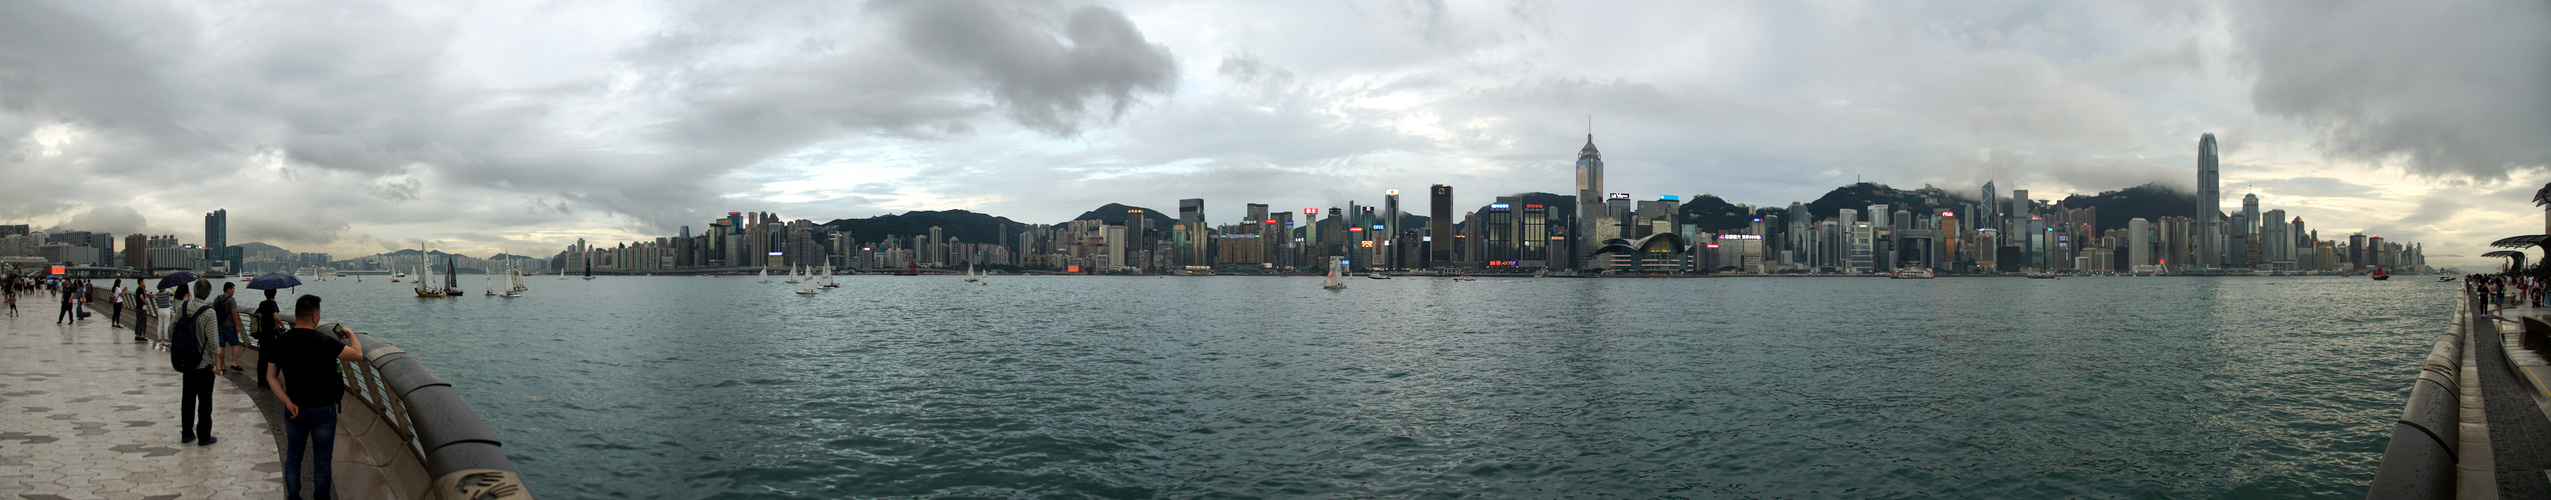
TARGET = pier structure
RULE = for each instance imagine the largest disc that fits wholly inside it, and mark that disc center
(86, 411)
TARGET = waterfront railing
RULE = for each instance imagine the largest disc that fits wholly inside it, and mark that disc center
(409, 426)
(2426, 441)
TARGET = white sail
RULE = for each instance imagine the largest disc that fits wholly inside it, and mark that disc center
(765, 274)
(828, 277)
(793, 275)
(806, 287)
(1334, 281)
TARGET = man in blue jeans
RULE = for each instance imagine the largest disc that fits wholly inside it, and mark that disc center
(310, 388)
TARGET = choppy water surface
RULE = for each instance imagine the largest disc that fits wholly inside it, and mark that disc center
(689, 387)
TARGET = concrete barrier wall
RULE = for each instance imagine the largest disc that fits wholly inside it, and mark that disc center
(2425, 440)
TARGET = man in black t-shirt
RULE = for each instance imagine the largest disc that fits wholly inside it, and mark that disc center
(310, 387)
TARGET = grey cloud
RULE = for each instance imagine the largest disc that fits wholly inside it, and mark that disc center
(2316, 187)
(116, 219)
(2445, 89)
(1100, 61)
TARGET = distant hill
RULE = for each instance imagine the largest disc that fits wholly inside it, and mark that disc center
(1114, 214)
(1710, 214)
(259, 248)
(969, 227)
(2150, 202)
(1860, 196)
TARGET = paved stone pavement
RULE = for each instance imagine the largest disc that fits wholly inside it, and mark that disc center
(85, 412)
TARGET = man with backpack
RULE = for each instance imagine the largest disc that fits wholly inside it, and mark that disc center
(192, 348)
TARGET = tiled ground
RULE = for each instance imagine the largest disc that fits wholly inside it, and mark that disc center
(85, 412)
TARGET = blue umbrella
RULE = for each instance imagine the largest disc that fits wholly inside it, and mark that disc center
(274, 281)
(172, 280)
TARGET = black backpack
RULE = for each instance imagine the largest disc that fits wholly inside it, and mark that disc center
(185, 352)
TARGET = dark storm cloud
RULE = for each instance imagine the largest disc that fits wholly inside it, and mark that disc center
(1047, 76)
(2448, 89)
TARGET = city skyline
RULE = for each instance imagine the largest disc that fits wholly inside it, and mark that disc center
(488, 136)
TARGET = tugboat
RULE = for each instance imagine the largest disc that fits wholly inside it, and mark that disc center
(1911, 273)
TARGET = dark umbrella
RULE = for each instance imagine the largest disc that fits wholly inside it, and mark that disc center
(274, 281)
(176, 278)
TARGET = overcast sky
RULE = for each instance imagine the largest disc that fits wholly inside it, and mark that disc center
(354, 126)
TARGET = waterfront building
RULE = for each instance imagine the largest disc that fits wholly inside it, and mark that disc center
(1590, 194)
(1861, 243)
(1189, 234)
(2209, 205)
(1439, 230)
(1390, 231)
(2138, 245)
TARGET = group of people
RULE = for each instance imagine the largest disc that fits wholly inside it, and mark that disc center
(2497, 290)
(297, 361)
(70, 293)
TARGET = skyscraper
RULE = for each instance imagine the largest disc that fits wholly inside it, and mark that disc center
(2249, 215)
(1589, 193)
(2138, 244)
(217, 238)
(1391, 231)
(2209, 205)
(1191, 242)
(1439, 229)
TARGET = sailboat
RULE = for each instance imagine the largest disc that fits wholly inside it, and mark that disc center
(491, 287)
(515, 281)
(806, 287)
(425, 283)
(1334, 282)
(969, 274)
(452, 278)
(828, 278)
(793, 275)
(765, 274)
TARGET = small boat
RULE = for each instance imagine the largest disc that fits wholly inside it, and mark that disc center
(1464, 278)
(765, 273)
(1378, 275)
(1912, 273)
(2444, 278)
(2041, 276)
(806, 287)
(491, 287)
(793, 275)
(828, 278)
(1334, 282)
(2382, 275)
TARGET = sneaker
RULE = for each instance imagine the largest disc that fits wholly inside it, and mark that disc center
(208, 441)
(185, 438)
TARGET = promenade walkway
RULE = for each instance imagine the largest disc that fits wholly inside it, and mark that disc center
(2513, 374)
(86, 412)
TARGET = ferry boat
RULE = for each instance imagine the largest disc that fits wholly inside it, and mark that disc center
(2041, 276)
(1912, 273)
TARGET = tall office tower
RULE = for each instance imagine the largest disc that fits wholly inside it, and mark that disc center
(2275, 244)
(2209, 205)
(1589, 192)
(2356, 251)
(217, 238)
(1533, 234)
(1800, 250)
(2376, 255)
(1496, 232)
(1191, 244)
(931, 252)
(1991, 216)
(1839, 253)
(1439, 226)
(2138, 244)
(2302, 238)
(2250, 215)
(1389, 246)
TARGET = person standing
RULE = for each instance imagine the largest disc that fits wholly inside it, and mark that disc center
(227, 307)
(68, 301)
(141, 312)
(195, 413)
(117, 321)
(266, 324)
(309, 387)
(10, 289)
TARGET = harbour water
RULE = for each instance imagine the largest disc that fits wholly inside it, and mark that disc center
(696, 387)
